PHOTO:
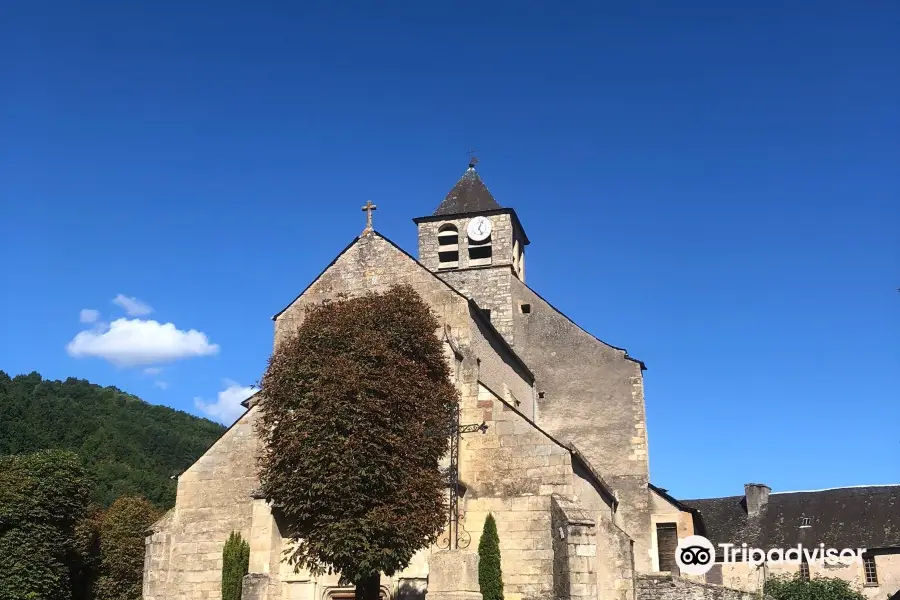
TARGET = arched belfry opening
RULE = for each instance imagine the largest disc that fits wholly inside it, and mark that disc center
(448, 246)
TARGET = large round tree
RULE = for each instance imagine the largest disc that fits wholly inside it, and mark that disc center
(356, 411)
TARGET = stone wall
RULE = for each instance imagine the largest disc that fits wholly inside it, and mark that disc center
(516, 471)
(510, 471)
(590, 394)
(667, 587)
(615, 561)
(587, 392)
(503, 239)
(490, 288)
(574, 551)
(184, 552)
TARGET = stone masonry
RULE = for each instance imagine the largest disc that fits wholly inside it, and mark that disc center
(588, 392)
(184, 551)
(562, 466)
(667, 587)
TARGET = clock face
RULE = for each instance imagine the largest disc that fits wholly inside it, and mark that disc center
(479, 229)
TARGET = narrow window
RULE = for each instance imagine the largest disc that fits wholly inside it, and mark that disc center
(480, 252)
(666, 544)
(448, 247)
(526, 309)
(870, 570)
(804, 570)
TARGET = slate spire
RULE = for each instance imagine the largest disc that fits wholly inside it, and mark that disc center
(468, 195)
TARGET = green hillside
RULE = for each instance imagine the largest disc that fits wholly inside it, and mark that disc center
(128, 445)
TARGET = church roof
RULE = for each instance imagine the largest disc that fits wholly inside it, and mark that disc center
(467, 196)
(854, 517)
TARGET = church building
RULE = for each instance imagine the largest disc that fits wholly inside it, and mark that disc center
(562, 464)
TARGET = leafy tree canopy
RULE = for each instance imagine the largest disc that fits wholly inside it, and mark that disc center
(122, 534)
(42, 498)
(130, 447)
(357, 407)
(795, 588)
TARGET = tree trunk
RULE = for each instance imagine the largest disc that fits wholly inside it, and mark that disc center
(369, 588)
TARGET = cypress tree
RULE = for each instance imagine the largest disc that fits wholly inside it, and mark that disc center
(490, 576)
(235, 564)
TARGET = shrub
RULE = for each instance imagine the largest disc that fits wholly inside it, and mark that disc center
(235, 564)
(490, 575)
(820, 588)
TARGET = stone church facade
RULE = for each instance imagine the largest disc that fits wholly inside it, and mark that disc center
(563, 465)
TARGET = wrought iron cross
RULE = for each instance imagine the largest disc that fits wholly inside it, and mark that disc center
(368, 208)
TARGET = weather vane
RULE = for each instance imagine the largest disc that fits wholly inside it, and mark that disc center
(473, 160)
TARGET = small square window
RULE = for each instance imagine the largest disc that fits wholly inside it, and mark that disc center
(525, 308)
(805, 521)
(540, 394)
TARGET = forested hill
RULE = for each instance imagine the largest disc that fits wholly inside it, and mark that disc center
(128, 445)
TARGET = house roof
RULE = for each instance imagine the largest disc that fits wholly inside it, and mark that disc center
(468, 195)
(664, 494)
(856, 517)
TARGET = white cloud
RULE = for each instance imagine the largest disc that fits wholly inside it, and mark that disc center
(133, 342)
(161, 385)
(133, 307)
(227, 407)
(152, 371)
(88, 315)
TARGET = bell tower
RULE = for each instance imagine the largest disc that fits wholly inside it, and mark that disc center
(475, 245)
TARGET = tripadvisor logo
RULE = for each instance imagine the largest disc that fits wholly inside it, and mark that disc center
(696, 555)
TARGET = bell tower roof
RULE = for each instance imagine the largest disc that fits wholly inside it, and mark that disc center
(467, 196)
(470, 197)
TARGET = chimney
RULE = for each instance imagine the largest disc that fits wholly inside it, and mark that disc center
(756, 496)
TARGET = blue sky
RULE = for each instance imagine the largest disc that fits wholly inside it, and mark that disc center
(711, 185)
